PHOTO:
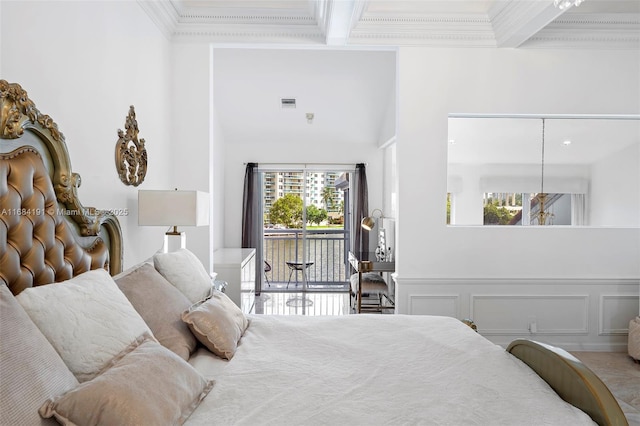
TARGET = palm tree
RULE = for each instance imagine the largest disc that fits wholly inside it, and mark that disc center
(327, 197)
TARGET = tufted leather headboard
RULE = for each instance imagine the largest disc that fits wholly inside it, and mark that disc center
(46, 235)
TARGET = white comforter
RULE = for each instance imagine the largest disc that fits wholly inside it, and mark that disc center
(373, 369)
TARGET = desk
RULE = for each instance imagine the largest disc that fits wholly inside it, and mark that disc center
(367, 262)
(298, 266)
(237, 267)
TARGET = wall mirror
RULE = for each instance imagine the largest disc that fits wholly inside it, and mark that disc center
(552, 170)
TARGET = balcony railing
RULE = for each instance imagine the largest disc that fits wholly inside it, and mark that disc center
(324, 247)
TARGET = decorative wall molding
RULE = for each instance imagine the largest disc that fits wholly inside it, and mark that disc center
(501, 281)
(573, 313)
(131, 154)
(452, 309)
(527, 308)
(610, 313)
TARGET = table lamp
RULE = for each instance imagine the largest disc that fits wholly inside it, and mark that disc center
(173, 208)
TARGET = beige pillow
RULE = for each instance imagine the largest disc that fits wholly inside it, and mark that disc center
(87, 319)
(217, 323)
(160, 305)
(144, 383)
(185, 271)
(30, 368)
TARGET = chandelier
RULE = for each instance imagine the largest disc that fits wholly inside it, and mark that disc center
(542, 217)
(565, 4)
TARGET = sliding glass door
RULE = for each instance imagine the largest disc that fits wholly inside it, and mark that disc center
(305, 238)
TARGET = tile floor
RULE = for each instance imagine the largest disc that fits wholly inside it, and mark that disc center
(323, 303)
(621, 374)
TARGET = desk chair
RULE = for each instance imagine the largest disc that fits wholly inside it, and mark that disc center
(376, 291)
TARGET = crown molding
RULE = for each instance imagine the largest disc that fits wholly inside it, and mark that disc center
(584, 40)
(508, 24)
(428, 30)
(248, 34)
(612, 21)
(601, 31)
(162, 14)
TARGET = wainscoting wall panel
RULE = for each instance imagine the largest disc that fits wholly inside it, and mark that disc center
(576, 314)
(515, 315)
(615, 313)
(447, 305)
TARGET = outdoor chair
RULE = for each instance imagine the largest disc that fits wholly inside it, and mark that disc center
(267, 268)
(298, 267)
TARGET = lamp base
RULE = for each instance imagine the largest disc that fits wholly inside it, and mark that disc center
(173, 241)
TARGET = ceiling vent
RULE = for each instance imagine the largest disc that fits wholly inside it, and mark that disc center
(288, 102)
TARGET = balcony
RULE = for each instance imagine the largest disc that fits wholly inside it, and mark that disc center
(326, 248)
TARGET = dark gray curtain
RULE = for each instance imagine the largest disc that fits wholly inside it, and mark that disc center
(252, 225)
(359, 236)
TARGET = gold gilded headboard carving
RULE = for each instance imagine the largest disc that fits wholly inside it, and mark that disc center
(25, 132)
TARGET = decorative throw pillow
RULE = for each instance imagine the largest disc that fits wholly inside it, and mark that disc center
(87, 319)
(218, 324)
(160, 305)
(144, 383)
(185, 271)
(30, 368)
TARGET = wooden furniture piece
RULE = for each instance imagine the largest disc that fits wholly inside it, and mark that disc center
(364, 262)
(237, 267)
(47, 234)
(571, 379)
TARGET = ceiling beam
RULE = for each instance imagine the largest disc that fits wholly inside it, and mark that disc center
(516, 21)
(341, 17)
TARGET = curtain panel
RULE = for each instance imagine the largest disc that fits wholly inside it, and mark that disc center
(252, 226)
(360, 238)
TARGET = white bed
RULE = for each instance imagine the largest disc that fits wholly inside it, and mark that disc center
(359, 369)
(373, 369)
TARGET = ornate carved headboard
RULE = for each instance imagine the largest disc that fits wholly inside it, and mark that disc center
(46, 235)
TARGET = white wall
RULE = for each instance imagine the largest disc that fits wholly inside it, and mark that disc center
(84, 64)
(508, 277)
(615, 184)
(435, 82)
(192, 133)
(218, 184)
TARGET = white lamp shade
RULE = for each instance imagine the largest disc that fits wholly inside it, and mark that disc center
(173, 208)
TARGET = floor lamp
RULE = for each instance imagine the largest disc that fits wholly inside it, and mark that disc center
(173, 208)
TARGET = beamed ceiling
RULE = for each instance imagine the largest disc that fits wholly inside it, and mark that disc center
(470, 23)
(347, 82)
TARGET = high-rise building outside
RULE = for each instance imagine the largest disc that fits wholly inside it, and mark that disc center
(318, 189)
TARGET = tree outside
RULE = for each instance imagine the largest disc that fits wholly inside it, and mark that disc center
(316, 215)
(494, 215)
(287, 211)
(327, 197)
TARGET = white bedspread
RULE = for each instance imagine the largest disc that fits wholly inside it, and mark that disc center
(373, 369)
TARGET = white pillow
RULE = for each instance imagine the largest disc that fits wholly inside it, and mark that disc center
(185, 271)
(87, 319)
